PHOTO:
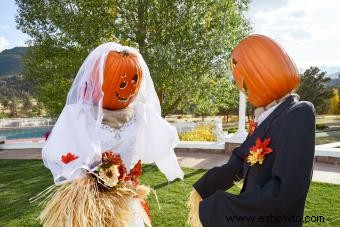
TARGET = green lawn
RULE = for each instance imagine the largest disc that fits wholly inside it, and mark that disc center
(20, 180)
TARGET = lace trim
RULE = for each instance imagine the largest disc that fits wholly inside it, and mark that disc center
(118, 131)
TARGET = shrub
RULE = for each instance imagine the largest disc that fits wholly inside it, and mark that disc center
(200, 133)
(232, 130)
(321, 126)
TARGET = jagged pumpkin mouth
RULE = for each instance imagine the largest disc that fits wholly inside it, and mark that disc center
(122, 99)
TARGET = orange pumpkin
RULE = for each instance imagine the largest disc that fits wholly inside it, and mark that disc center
(122, 79)
(263, 70)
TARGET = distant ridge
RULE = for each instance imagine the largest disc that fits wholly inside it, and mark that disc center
(11, 61)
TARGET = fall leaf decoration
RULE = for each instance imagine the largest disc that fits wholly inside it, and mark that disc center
(251, 126)
(112, 171)
(146, 208)
(110, 158)
(135, 172)
(69, 157)
(259, 151)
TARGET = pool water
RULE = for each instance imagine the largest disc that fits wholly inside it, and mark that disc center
(23, 133)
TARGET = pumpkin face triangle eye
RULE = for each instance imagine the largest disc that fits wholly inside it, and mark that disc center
(135, 79)
(123, 85)
(233, 63)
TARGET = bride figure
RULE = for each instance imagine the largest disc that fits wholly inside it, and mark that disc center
(111, 123)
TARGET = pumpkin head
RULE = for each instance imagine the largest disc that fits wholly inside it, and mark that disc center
(122, 79)
(263, 70)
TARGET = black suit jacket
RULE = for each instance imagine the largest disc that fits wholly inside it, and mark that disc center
(274, 192)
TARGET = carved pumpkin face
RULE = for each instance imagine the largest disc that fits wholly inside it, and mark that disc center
(263, 70)
(122, 79)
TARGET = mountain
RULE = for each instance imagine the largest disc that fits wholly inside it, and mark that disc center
(334, 83)
(332, 71)
(335, 79)
(11, 61)
(335, 75)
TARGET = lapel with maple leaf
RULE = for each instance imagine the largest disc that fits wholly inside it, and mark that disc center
(260, 132)
(258, 152)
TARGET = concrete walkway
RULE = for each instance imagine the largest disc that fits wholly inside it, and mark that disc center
(322, 172)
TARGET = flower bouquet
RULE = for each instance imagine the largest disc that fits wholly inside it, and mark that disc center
(106, 196)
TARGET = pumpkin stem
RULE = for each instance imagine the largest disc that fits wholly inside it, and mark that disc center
(125, 53)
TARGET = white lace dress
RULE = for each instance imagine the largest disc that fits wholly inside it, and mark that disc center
(122, 142)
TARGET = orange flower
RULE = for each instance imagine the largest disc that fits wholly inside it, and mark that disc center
(69, 157)
(111, 158)
(251, 126)
(135, 172)
(259, 151)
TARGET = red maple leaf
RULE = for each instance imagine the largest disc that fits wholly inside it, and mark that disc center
(69, 157)
(263, 146)
(251, 126)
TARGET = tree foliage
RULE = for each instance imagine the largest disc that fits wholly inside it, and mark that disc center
(334, 106)
(182, 41)
(62, 34)
(313, 88)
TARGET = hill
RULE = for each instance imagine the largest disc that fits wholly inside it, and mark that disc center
(11, 61)
(334, 82)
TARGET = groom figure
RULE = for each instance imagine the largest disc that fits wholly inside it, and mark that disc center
(276, 159)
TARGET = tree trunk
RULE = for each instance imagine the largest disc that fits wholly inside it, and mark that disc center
(141, 25)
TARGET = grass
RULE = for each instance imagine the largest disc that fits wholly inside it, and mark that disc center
(22, 179)
(327, 139)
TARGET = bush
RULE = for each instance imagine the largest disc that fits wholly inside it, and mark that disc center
(321, 126)
(200, 133)
(3, 114)
(232, 130)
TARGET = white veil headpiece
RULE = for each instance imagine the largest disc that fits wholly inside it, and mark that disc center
(74, 144)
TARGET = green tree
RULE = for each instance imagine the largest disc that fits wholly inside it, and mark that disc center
(184, 41)
(13, 107)
(5, 103)
(313, 88)
(62, 34)
(205, 101)
(27, 106)
(181, 41)
(227, 96)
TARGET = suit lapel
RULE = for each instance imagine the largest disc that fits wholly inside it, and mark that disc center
(261, 131)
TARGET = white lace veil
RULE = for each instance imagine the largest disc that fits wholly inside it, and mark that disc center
(76, 133)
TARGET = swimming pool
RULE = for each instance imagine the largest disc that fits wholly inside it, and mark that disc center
(23, 133)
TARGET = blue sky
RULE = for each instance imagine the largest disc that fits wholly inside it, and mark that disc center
(9, 35)
(309, 30)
